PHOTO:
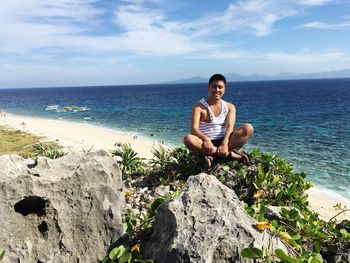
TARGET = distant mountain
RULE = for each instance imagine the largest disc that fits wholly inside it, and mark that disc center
(196, 79)
(344, 73)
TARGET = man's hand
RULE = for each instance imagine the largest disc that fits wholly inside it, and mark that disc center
(223, 150)
(208, 147)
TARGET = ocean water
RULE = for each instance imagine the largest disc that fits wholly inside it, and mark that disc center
(305, 121)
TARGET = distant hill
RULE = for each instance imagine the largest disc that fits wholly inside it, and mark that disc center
(344, 73)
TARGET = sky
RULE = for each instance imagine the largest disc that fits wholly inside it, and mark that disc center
(108, 42)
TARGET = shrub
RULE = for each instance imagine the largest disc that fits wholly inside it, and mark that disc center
(51, 151)
(161, 159)
(129, 161)
(307, 237)
(187, 162)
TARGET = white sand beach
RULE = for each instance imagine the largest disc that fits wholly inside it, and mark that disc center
(77, 137)
(323, 201)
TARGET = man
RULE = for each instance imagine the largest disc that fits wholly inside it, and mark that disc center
(212, 129)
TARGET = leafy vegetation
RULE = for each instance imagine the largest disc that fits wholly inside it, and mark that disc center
(167, 167)
(175, 164)
(52, 151)
(268, 182)
(307, 237)
(122, 254)
(129, 160)
(139, 227)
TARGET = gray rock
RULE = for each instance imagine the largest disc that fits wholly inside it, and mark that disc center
(64, 210)
(206, 223)
(162, 190)
(273, 212)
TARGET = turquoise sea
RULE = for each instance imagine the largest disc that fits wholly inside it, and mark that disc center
(305, 121)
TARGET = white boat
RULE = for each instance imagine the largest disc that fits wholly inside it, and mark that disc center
(83, 109)
(69, 108)
(51, 107)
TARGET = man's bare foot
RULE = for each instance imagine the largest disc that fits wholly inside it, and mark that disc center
(239, 156)
(234, 156)
(208, 161)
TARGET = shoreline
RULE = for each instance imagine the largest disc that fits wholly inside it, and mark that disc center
(76, 137)
(323, 201)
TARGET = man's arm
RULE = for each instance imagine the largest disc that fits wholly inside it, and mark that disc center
(230, 122)
(208, 146)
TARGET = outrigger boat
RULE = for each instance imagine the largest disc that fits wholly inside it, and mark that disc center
(52, 107)
(67, 108)
(83, 109)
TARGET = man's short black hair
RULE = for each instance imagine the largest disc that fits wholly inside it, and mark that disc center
(217, 77)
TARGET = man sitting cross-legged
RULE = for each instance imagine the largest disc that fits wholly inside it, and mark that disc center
(212, 128)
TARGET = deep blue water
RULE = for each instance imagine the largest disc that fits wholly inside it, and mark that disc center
(305, 121)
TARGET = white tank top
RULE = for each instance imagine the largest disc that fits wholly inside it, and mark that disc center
(215, 129)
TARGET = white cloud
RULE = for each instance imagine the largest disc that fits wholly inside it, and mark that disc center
(252, 16)
(322, 25)
(66, 25)
(53, 12)
(257, 17)
(32, 25)
(57, 32)
(314, 2)
(148, 32)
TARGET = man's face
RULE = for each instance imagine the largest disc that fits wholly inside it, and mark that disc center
(216, 89)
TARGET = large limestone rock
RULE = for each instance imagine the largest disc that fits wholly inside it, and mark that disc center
(206, 223)
(64, 210)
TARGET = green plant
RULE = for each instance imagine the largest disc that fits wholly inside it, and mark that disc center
(2, 254)
(129, 161)
(135, 227)
(279, 255)
(187, 162)
(173, 165)
(51, 151)
(307, 237)
(139, 227)
(271, 180)
(268, 181)
(161, 159)
(123, 254)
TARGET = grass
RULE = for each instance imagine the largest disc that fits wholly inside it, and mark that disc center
(27, 145)
(17, 142)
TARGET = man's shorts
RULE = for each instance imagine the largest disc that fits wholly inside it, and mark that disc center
(217, 142)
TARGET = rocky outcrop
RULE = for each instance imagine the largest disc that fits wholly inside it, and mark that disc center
(64, 210)
(206, 223)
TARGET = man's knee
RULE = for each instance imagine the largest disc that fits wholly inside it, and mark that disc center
(248, 129)
(187, 140)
